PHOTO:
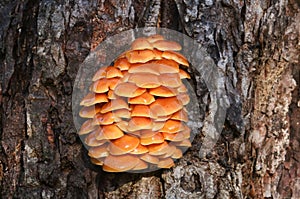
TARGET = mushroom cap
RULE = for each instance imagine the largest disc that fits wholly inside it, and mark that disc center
(122, 64)
(140, 166)
(103, 85)
(93, 98)
(163, 118)
(170, 80)
(121, 113)
(147, 133)
(89, 111)
(128, 90)
(98, 152)
(180, 115)
(165, 163)
(149, 158)
(166, 106)
(177, 154)
(144, 98)
(105, 118)
(175, 137)
(111, 131)
(140, 56)
(140, 149)
(87, 127)
(155, 139)
(179, 58)
(139, 123)
(158, 149)
(123, 145)
(112, 71)
(120, 163)
(183, 143)
(163, 91)
(182, 89)
(157, 125)
(114, 105)
(145, 80)
(97, 161)
(154, 38)
(184, 75)
(155, 67)
(184, 98)
(100, 73)
(122, 125)
(172, 126)
(91, 140)
(142, 111)
(164, 45)
(141, 44)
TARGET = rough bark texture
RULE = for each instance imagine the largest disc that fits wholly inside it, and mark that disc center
(255, 44)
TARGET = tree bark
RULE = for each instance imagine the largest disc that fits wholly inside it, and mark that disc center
(255, 45)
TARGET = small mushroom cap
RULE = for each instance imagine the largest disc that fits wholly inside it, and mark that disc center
(157, 125)
(128, 90)
(179, 58)
(165, 163)
(89, 111)
(166, 106)
(112, 71)
(149, 158)
(103, 85)
(93, 98)
(108, 169)
(176, 137)
(141, 44)
(140, 56)
(169, 152)
(163, 91)
(164, 45)
(140, 149)
(170, 80)
(139, 123)
(120, 163)
(182, 89)
(145, 80)
(97, 161)
(109, 132)
(183, 143)
(140, 166)
(155, 139)
(98, 152)
(123, 145)
(154, 38)
(147, 133)
(158, 149)
(180, 115)
(121, 113)
(111, 95)
(123, 125)
(184, 75)
(142, 111)
(155, 67)
(163, 118)
(177, 154)
(105, 119)
(101, 73)
(86, 127)
(172, 126)
(91, 140)
(184, 98)
(114, 105)
(145, 99)
(122, 64)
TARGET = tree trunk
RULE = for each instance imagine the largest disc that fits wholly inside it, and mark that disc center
(255, 45)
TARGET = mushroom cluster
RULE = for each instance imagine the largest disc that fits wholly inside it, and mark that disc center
(135, 110)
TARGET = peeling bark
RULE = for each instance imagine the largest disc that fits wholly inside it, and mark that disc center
(255, 45)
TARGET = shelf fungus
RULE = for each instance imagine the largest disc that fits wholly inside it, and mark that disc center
(136, 117)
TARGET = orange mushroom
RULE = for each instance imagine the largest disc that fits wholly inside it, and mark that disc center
(123, 145)
(93, 98)
(120, 163)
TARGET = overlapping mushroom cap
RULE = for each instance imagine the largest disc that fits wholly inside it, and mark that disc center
(135, 110)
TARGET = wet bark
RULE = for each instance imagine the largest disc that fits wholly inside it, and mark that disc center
(255, 45)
